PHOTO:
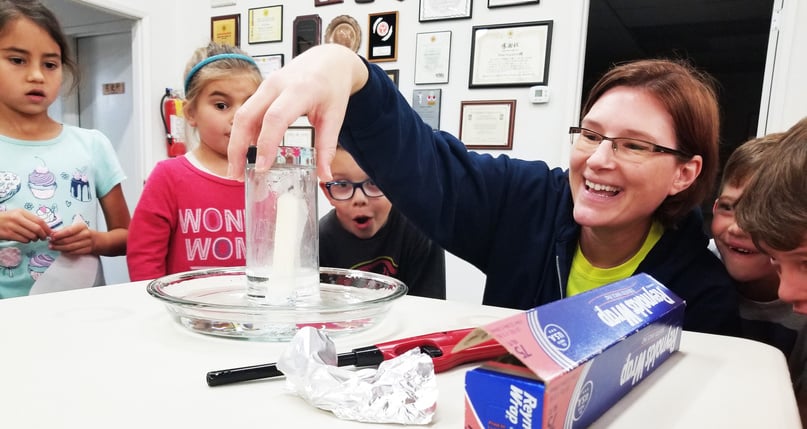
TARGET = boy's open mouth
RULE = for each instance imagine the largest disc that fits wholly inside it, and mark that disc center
(361, 220)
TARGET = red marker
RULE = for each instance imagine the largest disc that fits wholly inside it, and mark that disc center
(438, 345)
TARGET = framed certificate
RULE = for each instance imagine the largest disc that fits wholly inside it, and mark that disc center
(299, 136)
(487, 124)
(382, 44)
(268, 63)
(265, 24)
(438, 10)
(393, 75)
(307, 33)
(510, 55)
(502, 3)
(426, 102)
(226, 29)
(432, 54)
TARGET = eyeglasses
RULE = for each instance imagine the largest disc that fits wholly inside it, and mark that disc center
(625, 148)
(343, 190)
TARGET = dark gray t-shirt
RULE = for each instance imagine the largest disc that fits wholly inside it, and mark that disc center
(398, 250)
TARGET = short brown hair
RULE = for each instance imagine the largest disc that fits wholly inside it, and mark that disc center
(746, 159)
(689, 97)
(773, 209)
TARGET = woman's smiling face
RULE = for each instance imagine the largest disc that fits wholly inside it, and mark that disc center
(612, 193)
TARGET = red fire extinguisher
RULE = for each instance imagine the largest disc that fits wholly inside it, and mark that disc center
(174, 122)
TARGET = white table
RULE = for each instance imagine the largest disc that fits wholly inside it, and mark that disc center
(112, 357)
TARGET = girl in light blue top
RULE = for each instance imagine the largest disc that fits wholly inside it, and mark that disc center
(52, 176)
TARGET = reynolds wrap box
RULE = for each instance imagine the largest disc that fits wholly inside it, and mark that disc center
(572, 359)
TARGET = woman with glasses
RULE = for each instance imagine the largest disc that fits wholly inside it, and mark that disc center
(364, 232)
(644, 155)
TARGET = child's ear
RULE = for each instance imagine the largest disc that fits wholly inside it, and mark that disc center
(327, 195)
(190, 115)
(323, 187)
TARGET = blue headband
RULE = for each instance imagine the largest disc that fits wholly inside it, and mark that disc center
(211, 59)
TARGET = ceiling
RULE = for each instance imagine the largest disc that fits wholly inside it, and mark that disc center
(72, 14)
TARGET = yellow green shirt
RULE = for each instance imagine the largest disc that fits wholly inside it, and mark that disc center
(584, 276)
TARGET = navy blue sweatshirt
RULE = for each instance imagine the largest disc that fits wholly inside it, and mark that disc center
(511, 218)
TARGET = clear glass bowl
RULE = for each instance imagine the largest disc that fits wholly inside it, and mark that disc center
(214, 302)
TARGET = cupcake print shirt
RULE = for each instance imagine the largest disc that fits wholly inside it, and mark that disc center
(57, 180)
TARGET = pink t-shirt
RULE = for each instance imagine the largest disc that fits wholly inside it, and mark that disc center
(186, 219)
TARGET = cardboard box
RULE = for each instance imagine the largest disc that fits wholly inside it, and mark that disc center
(574, 358)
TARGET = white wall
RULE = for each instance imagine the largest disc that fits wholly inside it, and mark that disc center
(540, 130)
(170, 30)
(789, 69)
(164, 37)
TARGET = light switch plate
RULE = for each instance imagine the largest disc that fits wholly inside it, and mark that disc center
(539, 94)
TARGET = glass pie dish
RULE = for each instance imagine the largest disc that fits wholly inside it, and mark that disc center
(214, 302)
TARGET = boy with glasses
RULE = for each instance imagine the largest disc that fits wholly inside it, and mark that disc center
(363, 232)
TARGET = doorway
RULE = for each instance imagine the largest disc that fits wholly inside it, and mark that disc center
(102, 46)
(105, 103)
(728, 39)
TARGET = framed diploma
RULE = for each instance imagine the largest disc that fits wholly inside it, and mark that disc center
(393, 75)
(307, 33)
(382, 44)
(426, 102)
(226, 29)
(299, 136)
(268, 63)
(438, 10)
(510, 55)
(265, 24)
(487, 124)
(432, 54)
(502, 3)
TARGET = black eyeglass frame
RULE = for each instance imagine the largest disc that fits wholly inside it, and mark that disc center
(359, 185)
(656, 147)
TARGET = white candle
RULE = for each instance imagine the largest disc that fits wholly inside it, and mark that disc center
(289, 226)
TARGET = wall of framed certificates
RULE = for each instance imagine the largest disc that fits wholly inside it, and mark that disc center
(469, 50)
(466, 67)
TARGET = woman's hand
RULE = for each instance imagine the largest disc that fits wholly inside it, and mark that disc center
(317, 83)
